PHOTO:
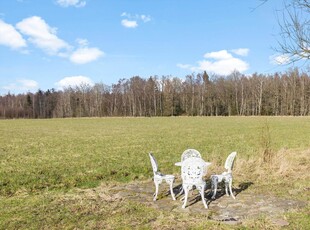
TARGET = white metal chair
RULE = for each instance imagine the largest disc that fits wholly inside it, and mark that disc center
(225, 176)
(159, 177)
(192, 172)
(185, 155)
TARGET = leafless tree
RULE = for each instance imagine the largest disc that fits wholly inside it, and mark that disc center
(294, 40)
(294, 34)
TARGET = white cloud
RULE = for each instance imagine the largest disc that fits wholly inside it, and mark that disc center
(219, 55)
(29, 84)
(84, 55)
(279, 59)
(184, 66)
(221, 62)
(129, 24)
(73, 81)
(145, 18)
(131, 21)
(42, 35)
(82, 42)
(125, 14)
(22, 85)
(67, 3)
(224, 67)
(10, 37)
(242, 51)
(45, 37)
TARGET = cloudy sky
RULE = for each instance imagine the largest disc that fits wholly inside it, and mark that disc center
(55, 43)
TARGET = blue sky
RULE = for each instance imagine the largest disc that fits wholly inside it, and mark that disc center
(55, 43)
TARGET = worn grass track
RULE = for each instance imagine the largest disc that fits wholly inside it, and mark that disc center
(41, 161)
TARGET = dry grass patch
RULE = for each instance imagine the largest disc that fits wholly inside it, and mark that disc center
(286, 174)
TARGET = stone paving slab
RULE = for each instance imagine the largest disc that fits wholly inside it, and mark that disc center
(223, 208)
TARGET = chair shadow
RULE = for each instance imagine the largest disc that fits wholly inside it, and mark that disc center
(243, 186)
(178, 191)
(208, 193)
(221, 191)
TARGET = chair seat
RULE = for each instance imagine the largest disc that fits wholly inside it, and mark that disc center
(169, 176)
(163, 176)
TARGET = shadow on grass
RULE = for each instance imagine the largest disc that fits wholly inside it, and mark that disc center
(178, 191)
(221, 189)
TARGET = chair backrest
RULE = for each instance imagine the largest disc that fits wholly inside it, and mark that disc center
(154, 163)
(193, 169)
(229, 163)
(190, 153)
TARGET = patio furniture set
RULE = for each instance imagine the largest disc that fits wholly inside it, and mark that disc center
(193, 170)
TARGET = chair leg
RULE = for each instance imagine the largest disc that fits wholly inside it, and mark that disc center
(226, 187)
(202, 194)
(170, 182)
(156, 190)
(230, 188)
(214, 182)
(186, 190)
(189, 191)
(181, 190)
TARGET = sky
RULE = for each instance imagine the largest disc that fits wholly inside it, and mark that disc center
(47, 44)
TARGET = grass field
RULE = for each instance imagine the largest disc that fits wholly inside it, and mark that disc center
(44, 163)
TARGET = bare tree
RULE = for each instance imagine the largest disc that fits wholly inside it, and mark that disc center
(294, 22)
(294, 41)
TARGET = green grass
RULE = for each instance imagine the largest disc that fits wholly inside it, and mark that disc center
(43, 160)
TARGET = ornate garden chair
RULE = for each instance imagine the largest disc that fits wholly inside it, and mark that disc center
(225, 176)
(192, 172)
(185, 155)
(159, 177)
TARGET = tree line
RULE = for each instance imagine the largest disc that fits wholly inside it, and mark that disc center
(197, 95)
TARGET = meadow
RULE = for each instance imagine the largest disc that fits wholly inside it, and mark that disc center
(46, 163)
